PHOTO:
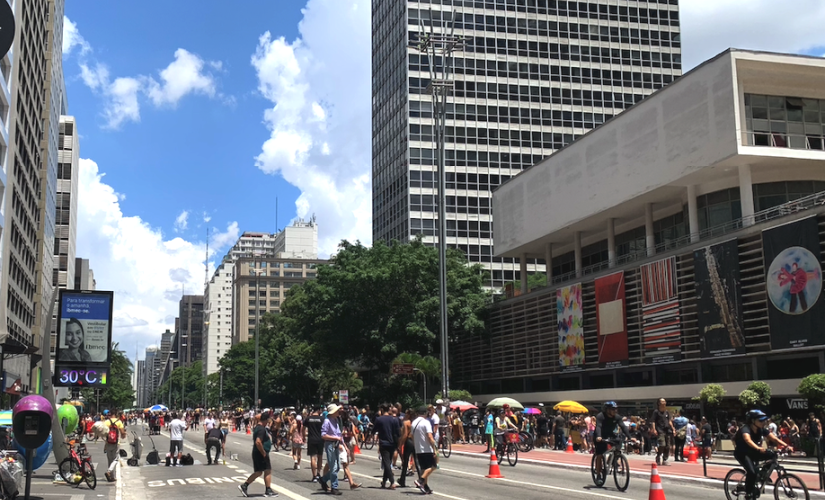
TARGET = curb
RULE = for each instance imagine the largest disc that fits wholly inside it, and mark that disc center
(714, 483)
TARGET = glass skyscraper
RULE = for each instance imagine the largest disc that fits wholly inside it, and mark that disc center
(532, 77)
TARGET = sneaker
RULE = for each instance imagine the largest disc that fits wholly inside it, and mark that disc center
(335, 492)
(244, 487)
(354, 486)
(295, 466)
(270, 493)
(299, 467)
(209, 463)
(664, 463)
(323, 485)
(420, 487)
(315, 479)
(658, 460)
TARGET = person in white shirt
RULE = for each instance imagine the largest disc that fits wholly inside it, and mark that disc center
(434, 419)
(209, 423)
(176, 430)
(426, 453)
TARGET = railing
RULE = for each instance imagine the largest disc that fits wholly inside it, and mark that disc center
(791, 207)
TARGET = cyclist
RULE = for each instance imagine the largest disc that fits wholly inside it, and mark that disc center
(608, 423)
(363, 423)
(748, 448)
(503, 424)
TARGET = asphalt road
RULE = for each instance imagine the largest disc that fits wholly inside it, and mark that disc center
(459, 478)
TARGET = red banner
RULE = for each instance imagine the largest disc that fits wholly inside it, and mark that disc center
(611, 320)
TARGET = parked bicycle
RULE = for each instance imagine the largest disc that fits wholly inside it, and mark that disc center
(445, 441)
(615, 462)
(786, 485)
(77, 467)
(508, 447)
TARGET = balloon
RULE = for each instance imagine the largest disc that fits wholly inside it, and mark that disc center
(68, 418)
(40, 455)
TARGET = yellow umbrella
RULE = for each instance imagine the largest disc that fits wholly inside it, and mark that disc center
(571, 407)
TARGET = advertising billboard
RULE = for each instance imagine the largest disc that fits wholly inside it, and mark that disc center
(84, 337)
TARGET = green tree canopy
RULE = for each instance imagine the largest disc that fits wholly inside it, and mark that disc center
(118, 393)
(711, 394)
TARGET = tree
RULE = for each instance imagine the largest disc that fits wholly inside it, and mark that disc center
(458, 395)
(763, 391)
(812, 387)
(749, 398)
(188, 379)
(711, 394)
(534, 281)
(118, 393)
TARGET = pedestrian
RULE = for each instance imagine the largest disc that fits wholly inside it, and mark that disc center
(315, 443)
(706, 433)
(344, 465)
(407, 449)
(296, 434)
(488, 430)
(388, 430)
(662, 430)
(680, 431)
(176, 429)
(558, 432)
(115, 433)
(333, 439)
(426, 452)
(214, 439)
(262, 444)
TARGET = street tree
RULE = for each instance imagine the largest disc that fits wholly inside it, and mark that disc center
(118, 392)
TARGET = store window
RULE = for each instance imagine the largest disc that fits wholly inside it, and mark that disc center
(721, 207)
(772, 194)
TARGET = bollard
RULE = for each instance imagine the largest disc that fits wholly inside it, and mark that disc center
(704, 463)
(819, 462)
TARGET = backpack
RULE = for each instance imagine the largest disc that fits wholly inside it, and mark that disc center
(682, 433)
(113, 436)
(187, 460)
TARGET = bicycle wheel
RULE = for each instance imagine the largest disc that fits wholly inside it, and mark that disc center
(499, 453)
(789, 486)
(68, 470)
(621, 472)
(598, 478)
(284, 443)
(446, 447)
(512, 455)
(525, 442)
(735, 484)
(89, 475)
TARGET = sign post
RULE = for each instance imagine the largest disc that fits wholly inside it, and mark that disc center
(403, 368)
(343, 396)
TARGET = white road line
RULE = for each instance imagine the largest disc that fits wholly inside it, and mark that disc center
(282, 490)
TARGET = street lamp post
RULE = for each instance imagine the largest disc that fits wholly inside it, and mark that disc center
(424, 377)
(220, 395)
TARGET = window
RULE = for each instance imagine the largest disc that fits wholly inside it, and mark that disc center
(772, 194)
(718, 208)
(784, 122)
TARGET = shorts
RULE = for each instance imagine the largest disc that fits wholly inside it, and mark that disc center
(543, 432)
(664, 439)
(707, 443)
(425, 461)
(175, 445)
(601, 447)
(343, 458)
(297, 446)
(260, 463)
(315, 449)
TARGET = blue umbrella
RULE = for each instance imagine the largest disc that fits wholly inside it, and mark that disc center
(158, 408)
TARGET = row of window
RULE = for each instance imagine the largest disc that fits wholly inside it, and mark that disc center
(785, 122)
(457, 180)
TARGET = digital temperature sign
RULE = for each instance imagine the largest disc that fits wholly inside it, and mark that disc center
(80, 377)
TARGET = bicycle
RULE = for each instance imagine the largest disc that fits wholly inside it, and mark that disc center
(525, 443)
(507, 445)
(786, 484)
(367, 438)
(445, 441)
(283, 439)
(615, 462)
(77, 467)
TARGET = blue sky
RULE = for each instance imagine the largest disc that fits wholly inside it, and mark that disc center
(195, 113)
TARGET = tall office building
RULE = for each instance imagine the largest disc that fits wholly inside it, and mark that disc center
(36, 103)
(151, 377)
(190, 330)
(140, 383)
(84, 276)
(533, 75)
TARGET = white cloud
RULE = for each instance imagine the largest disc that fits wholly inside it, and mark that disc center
(135, 260)
(320, 120)
(122, 102)
(181, 221)
(183, 76)
(711, 26)
(226, 238)
(95, 78)
(72, 38)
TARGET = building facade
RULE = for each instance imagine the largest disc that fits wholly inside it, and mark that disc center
(140, 384)
(684, 237)
(533, 76)
(190, 330)
(217, 315)
(84, 276)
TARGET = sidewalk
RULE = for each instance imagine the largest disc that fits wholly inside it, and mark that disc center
(640, 464)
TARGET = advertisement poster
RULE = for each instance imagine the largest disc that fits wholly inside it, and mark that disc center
(793, 280)
(571, 327)
(611, 320)
(661, 325)
(719, 299)
(84, 327)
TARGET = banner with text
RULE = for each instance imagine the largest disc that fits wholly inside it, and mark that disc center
(611, 320)
(793, 280)
(571, 327)
(719, 299)
(661, 325)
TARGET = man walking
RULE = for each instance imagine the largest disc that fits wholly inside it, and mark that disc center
(333, 440)
(558, 432)
(662, 430)
(425, 449)
(315, 443)
(388, 430)
(214, 439)
(262, 444)
(116, 432)
(176, 429)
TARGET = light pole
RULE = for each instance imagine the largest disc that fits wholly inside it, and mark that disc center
(220, 395)
(257, 273)
(424, 377)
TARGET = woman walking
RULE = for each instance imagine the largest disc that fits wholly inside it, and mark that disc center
(296, 433)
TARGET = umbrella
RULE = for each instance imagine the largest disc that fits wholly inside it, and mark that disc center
(462, 405)
(570, 407)
(531, 411)
(499, 402)
(157, 408)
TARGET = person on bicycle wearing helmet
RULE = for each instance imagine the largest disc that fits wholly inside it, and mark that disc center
(608, 424)
(748, 449)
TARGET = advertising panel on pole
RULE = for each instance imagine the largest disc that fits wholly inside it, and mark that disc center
(611, 320)
(343, 396)
(84, 338)
(793, 280)
(661, 323)
(571, 327)
(719, 299)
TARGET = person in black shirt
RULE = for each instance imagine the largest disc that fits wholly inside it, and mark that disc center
(608, 423)
(748, 448)
(388, 429)
(315, 443)
(214, 439)
(541, 430)
(662, 431)
(706, 435)
(261, 446)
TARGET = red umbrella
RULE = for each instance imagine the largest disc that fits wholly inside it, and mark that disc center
(462, 405)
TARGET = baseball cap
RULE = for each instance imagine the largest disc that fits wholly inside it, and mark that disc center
(298, 418)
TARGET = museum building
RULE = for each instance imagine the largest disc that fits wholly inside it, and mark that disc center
(683, 239)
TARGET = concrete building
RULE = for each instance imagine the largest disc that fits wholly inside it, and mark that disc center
(152, 374)
(140, 384)
(84, 276)
(190, 330)
(533, 76)
(675, 233)
(36, 102)
(217, 315)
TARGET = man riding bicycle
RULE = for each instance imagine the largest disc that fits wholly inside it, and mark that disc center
(363, 422)
(608, 423)
(748, 448)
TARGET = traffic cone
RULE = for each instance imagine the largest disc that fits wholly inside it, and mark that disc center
(656, 491)
(247, 430)
(692, 453)
(569, 445)
(494, 473)
(356, 450)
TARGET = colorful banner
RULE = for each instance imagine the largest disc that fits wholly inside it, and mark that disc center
(794, 283)
(611, 321)
(661, 324)
(571, 329)
(719, 299)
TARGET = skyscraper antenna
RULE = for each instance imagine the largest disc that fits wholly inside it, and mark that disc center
(276, 215)
(206, 261)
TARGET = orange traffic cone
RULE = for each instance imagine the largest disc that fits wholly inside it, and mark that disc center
(494, 472)
(247, 430)
(692, 454)
(656, 491)
(569, 445)
(356, 450)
